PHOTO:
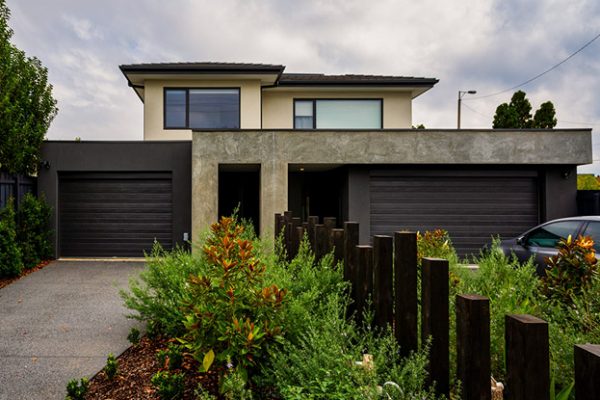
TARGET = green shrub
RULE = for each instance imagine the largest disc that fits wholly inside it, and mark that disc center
(316, 359)
(134, 336)
(76, 390)
(171, 357)
(233, 386)
(10, 256)
(112, 366)
(203, 394)
(516, 289)
(33, 231)
(436, 244)
(512, 289)
(232, 315)
(169, 386)
(160, 294)
(571, 270)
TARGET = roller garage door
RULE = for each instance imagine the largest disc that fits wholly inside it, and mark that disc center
(114, 214)
(470, 206)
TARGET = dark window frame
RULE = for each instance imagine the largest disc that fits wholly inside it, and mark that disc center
(314, 107)
(187, 107)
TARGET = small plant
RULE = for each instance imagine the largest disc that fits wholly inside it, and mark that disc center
(76, 390)
(10, 255)
(171, 357)
(203, 394)
(134, 336)
(436, 244)
(112, 366)
(233, 386)
(571, 270)
(233, 314)
(169, 386)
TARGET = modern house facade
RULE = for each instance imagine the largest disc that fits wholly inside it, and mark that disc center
(217, 136)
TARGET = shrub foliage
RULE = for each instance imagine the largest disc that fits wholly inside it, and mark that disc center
(10, 254)
(571, 270)
(232, 314)
(33, 231)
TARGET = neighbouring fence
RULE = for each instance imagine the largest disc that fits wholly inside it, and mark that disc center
(15, 186)
(386, 272)
(588, 202)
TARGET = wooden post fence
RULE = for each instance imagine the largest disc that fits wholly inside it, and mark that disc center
(336, 242)
(473, 346)
(350, 266)
(527, 358)
(383, 283)
(364, 287)
(312, 232)
(405, 285)
(587, 371)
(387, 273)
(435, 321)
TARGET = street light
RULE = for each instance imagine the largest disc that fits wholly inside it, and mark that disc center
(461, 93)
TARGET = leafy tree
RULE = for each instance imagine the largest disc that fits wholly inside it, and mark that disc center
(545, 117)
(587, 182)
(26, 104)
(517, 114)
(505, 118)
(522, 107)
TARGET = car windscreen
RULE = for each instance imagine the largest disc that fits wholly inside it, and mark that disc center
(549, 235)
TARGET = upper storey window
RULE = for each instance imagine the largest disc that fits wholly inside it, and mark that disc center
(202, 108)
(338, 114)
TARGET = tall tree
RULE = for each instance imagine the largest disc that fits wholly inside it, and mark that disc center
(587, 182)
(26, 104)
(522, 107)
(545, 116)
(517, 114)
(505, 117)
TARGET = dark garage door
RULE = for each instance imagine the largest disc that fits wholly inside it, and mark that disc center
(470, 208)
(114, 214)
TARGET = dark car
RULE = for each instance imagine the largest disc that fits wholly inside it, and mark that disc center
(540, 242)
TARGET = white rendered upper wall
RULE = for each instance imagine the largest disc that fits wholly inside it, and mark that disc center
(268, 108)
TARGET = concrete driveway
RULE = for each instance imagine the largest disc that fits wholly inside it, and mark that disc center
(60, 323)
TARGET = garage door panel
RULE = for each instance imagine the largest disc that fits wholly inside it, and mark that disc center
(114, 214)
(471, 209)
(74, 198)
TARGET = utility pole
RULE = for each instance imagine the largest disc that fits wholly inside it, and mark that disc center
(461, 93)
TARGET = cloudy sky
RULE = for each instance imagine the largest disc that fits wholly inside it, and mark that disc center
(486, 46)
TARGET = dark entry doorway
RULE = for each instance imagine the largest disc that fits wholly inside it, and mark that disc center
(239, 187)
(317, 189)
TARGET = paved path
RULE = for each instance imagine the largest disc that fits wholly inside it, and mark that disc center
(60, 323)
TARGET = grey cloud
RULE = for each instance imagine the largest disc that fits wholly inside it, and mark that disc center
(467, 44)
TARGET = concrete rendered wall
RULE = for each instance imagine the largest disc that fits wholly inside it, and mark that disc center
(278, 105)
(275, 149)
(174, 157)
(250, 110)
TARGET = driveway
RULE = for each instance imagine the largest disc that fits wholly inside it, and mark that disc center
(60, 323)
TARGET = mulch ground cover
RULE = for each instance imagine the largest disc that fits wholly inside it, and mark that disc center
(26, 271)
(136, 367)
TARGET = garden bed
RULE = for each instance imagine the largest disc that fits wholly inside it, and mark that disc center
(136, 366)
(7, 281)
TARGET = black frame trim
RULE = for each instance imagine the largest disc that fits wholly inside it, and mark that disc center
(314, 103)
(187, 107)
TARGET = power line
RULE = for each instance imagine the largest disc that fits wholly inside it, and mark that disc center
(475, 111)
(580, 123)
(538, 75)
